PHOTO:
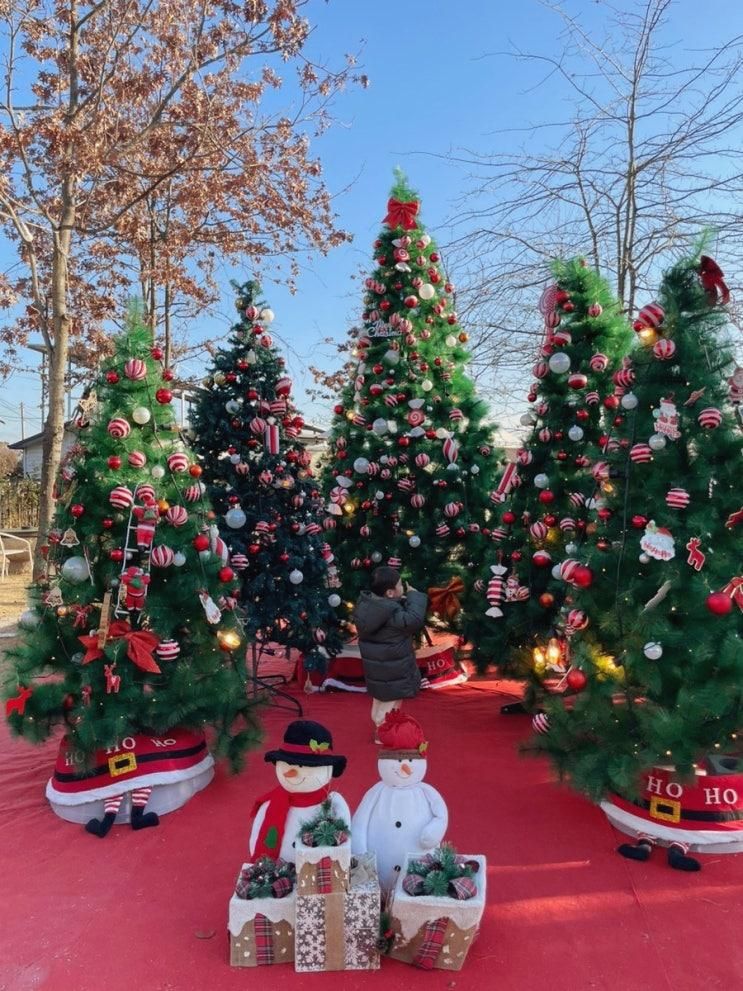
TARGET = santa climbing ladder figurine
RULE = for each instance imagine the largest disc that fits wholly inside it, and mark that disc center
(304, 765)
(400, 814)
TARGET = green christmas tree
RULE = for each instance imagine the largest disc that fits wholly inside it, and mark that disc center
(668, 589)
(260, 480)
(544, 519)
(412, 459)
(124, 635)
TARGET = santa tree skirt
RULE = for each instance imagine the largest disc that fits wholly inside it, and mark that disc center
(705, 813)
(435, 932)
(175, 765)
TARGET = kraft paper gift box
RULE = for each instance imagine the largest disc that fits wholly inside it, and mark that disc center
(261, 930)
(322, 869)
(340, 930)
(431, 932)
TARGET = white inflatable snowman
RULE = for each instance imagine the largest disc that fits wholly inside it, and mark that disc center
(400, 814)
(304, 764)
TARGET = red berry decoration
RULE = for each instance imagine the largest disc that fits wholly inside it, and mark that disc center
(157, 353)
(576, 680)
(77, 509)
(112, 377)
(164, 396)
(226, 574)
(719, 604)
(201, 542)
(114, 462)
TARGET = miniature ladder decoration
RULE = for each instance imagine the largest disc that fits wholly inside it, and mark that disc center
(132, 547)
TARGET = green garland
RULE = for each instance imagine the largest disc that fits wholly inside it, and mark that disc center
(325, 829)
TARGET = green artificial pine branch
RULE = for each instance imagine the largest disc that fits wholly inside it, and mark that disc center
(325, 828)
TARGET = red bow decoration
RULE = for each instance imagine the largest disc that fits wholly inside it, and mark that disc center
(140, 644)
(445, 601)
(401, 214)
(711, 276)
(734, 589)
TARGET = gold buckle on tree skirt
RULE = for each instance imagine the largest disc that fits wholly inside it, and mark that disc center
(122, 764)
(665, 808)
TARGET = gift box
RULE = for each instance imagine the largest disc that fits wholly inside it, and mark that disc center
(261, 930)
(340, 930)
(433, 932)
(322, 870)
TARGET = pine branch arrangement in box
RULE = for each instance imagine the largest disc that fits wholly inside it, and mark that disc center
(325, 829)
(266, 878)
(442, 874)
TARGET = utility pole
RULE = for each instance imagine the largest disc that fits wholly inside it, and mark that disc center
(23, 424)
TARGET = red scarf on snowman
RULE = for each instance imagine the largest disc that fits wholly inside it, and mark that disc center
(280, 800)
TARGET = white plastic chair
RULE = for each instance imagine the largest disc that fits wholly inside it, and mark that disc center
(8, 550)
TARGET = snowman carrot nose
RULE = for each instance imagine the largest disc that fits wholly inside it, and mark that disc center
(291, 773)
(406, 769)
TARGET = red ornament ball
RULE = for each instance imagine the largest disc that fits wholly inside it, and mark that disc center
(576, 680)
(107, 523)
(164, 396)
(546, 496)
(546, 599)
(639, 522)
(195, 471)
(516, 556)
(541, 559)
(117, 554)
(719, 604)
(168, 375)
(157, 353)
(77, 509)
(508, 517)
(226, 574)
(583, 577)
(612, 402)
(112, 377)
(114, 462)
(201, 542)
(337, 409)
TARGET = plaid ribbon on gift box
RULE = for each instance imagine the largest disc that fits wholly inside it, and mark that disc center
(463, 888)
(433, 940)
(263, 929)
(281, 887)
(325, 876)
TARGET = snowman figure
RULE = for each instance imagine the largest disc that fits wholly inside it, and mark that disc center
(399, 814)
(304, 766)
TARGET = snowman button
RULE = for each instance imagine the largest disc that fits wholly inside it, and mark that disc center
(397, 867)
(294, 844)
(398, 824)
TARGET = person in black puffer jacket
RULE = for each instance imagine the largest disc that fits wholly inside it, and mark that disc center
(386, 619)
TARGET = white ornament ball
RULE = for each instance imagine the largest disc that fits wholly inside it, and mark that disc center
(157, 471)
(426, 385)
(415, 541)
(644, 559)
(541, 480)
(267, 315)
(629, 401)
(232, 406)
(296, 577)
(235, 518)
(571, 548)
(653, 651)
(361, 465)
(334, 601)
(235, 459)
(657, 442)
(575, 433)
(141, 415)
(426, 291)
(29, 620)
(380, 426)
(475, 470)
(376, 557)
(179, 559)
(452, 466)
(391, 357)
(450, 341)
(559, 362)
(75, 570)
(528, 420)
(556, 573)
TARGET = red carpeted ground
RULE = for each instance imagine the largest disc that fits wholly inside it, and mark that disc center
(147, 911)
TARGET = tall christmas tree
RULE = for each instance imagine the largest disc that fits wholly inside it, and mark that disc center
(547, 492)
(260, 480)
(124, 635)
(412, 459)
(668, 589)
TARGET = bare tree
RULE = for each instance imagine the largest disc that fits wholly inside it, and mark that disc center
(651, 157)
(112, 107)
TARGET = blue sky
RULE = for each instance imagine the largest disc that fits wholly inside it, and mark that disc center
(434, 90)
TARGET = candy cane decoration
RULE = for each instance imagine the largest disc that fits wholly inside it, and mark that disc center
(507, 482)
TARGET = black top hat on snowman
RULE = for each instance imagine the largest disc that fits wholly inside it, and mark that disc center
(308, 744)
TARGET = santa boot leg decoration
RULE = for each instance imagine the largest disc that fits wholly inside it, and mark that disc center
(139, 818)
(637, 851)
(101, 827)
(679, 859)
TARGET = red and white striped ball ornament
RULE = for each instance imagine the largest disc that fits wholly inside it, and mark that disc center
(239, 562)
(357, 419)
(194, 492)
(498, 533)
(119, 427)
(710, 418)
(390, 400)
(552, 320)
(417, 501)
(538, 530)
(524, 457)
(365, 530)
(595, 310)
(242, 468)
(168, 650)
(252, 313)
(577, 620)
(177, 515)
(356, 562)
(664, 349)
(319, 636)
(577, 380)
(178, 461)
(592, 398)
(677, 498)
(313, 528)
(577, 499)
(137, 459)
(598, 362)
(121, 497)
(277, 406)
(451, 450)
(283, 386)
(145, 493)
(540, 723)
(422, 460)
(263, 527)
(651, 316)
(541, 558)
(624, 377)
(406, 484)
(442, 530)
(162, 556)
(540, 369)
(568, 568)
(135, 369)
(452, 509)
(329, 523)
(641, 453)
(567, 523)
(545, 435)
(394, 562)
(456, 414)
(561, 338)
(257, 425)
(600, 470)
